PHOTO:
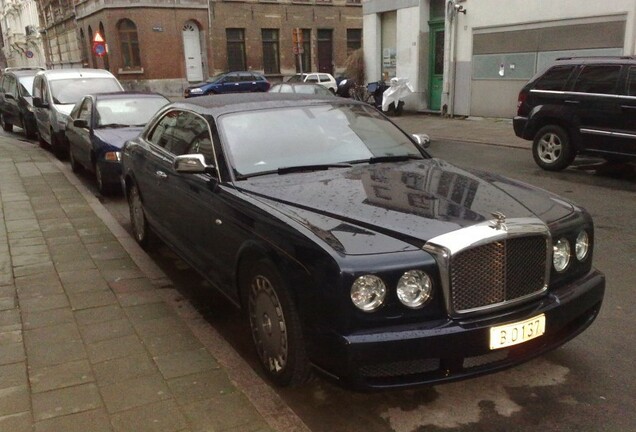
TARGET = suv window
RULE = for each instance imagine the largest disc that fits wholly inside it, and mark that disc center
(631, 81)
(598, 79)
(555, 78)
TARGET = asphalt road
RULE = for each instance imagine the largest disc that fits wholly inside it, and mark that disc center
(586, 385)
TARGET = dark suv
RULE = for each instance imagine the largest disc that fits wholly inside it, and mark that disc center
(580, 105)
(16, 103)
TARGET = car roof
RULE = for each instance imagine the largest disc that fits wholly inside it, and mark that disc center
(75, 73)
(22, 72)
(127, 95)
(217, 105)
(596, 59)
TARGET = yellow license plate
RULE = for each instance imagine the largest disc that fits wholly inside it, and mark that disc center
(516, 333)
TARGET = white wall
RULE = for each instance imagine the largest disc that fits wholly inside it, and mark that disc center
(523, 12)
(408, 54)
(371, 44)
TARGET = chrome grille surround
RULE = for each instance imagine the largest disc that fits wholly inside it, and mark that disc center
(448, 246)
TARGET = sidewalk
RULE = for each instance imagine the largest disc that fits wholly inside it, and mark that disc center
(472, 129)
(92, 335)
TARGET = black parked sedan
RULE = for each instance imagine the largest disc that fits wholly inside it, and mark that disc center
(98, 127)
(16, 102)
(353, 250)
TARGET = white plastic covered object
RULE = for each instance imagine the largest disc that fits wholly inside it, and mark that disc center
(399, 89)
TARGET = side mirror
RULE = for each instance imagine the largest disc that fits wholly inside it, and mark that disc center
(80, 123)
(422, 140)
(192, 164)
(39, 103)
(9, 96)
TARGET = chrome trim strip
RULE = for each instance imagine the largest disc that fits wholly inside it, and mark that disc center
(443, 247)
(607, 133)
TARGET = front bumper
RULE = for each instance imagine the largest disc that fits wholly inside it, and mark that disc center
(452, 349)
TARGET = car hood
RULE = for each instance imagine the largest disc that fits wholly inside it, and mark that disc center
(411, 201)
(117, 137)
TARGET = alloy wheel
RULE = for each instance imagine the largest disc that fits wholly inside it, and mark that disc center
(549, 148)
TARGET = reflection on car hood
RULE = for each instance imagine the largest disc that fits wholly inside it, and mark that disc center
(117, 137)
(414, 201)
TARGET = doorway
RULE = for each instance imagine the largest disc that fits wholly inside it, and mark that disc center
(436, 60)
(192, 52)
(325, 51)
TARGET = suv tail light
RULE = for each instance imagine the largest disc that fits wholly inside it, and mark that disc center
(520, 100)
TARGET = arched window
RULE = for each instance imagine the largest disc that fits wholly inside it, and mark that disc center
(129, 44)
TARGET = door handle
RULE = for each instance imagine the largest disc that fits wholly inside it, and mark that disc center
(573, 102)
(162, 175)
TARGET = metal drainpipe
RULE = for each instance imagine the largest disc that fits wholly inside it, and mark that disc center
(448, 25)
(451, 96)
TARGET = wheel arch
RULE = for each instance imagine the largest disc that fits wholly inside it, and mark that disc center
(542, 116)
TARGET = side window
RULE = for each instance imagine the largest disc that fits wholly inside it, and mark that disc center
(312, 79)
(181, 132)
(10, 86)
(44, 90)
(161, 134)
(598, 79)
(324, 78)
(555, 78)
(85, 110)
(232, 78)
(36, 87)
(631, 81)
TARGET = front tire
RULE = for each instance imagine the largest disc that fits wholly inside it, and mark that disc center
(552, 149)
(7, 127)
(275, 326)
(140, 227)
(75, 166)
(103, 187)
(28, 132)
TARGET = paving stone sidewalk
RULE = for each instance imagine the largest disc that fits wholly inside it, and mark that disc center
(92, 341)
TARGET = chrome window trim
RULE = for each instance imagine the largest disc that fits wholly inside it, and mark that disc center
(572, 93)
(445, 246)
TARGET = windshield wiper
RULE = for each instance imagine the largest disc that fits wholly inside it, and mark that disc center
(316, 167)
(114, 125)
(393, 158)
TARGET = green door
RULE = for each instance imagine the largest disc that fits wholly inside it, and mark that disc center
(436, 60)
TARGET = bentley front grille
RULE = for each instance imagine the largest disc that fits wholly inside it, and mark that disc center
(497, 273)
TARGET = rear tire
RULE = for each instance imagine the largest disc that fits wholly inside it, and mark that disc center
(7, 127)
(104, 188)
(275, 325)
(28, 132)
(552, 149)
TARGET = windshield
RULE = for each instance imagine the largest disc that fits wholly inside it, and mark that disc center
(216, 77)
(296, 78)
(267, 140)
(27, 84)
(70, 91)
(127, 112)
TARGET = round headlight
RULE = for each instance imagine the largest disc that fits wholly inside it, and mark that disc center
(368, 293)
(582, 245)
(414, 288)
(561, 254)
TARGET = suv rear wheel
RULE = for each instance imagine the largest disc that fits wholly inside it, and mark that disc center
(552, 149)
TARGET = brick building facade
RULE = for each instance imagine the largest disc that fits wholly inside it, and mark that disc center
(163, 45)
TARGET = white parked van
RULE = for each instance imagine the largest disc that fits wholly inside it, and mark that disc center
(55, 93)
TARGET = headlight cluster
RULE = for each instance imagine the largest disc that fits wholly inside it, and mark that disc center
(561, 253)
(414, 290)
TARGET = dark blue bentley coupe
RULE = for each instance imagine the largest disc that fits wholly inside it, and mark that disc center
(353, 251)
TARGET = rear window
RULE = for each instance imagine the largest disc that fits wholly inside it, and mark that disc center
(598, 79)
(555, 78)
